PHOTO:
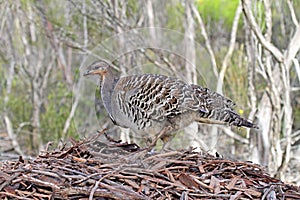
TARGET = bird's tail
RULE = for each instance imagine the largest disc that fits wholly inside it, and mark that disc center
(218, 109)
(225, 116)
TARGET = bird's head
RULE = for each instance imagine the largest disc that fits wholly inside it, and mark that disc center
(98, 67)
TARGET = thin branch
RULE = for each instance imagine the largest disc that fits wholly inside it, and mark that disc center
(189, 44)
(94, 189)
(230, 49)
(293, 15)
(163, 58)
(73, 109)
(234, 135)
(12, 136)
(266, 44)
(207, 42)
(297, 67)
(293, 48)
(47, 73)
(268, 19)
(85, 29)
(279, 9)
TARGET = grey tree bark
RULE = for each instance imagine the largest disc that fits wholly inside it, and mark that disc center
(278, 77)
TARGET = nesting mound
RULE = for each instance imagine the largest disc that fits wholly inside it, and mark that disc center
(94, 170)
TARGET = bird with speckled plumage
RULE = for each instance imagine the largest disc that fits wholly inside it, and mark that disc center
(155, 106)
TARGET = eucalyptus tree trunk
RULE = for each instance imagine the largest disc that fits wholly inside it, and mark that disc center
(274, 66)
(120, 13)
(36, 64)
(9, 78)
(190, 66)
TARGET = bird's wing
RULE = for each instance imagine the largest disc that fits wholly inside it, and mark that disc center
(154, 97)
(148, 97)
(212, 99)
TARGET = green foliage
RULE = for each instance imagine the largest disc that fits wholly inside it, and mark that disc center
(56, 111)
(132, 7)
(175, 14)
(19, 104)
(218, 10)
(236, 79)
(18, 107)
(297, 118)
(2, 85)
(236, 84)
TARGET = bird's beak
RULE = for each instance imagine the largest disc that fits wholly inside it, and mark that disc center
(88, 72)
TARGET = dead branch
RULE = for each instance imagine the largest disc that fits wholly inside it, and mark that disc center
(80, 171)
(266, 44)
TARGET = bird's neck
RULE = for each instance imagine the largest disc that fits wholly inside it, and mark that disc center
(109, 81)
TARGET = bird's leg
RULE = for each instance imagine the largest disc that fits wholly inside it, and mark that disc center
(166, 141)
(142, 152)
(162, 135)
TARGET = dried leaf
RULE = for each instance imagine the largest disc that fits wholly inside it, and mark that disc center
(215, 184)
(236, 195)
(232, 183)
(115, 173)
(187, 180)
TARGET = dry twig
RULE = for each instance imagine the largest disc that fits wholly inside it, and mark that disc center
(94, 170)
